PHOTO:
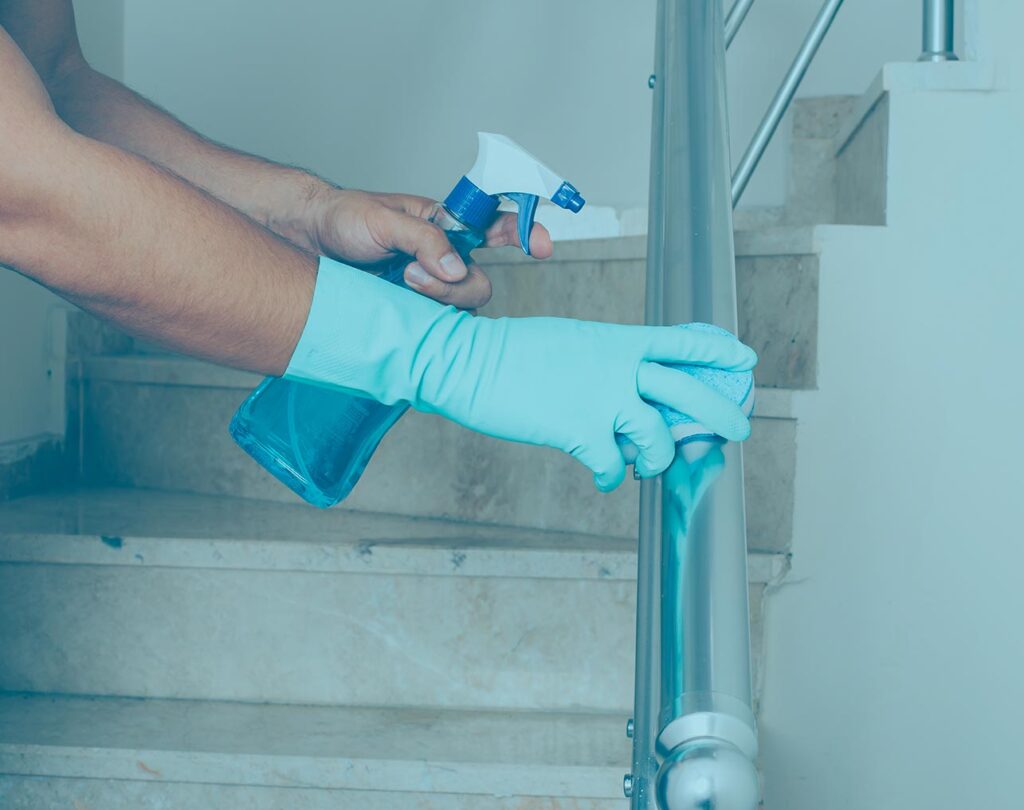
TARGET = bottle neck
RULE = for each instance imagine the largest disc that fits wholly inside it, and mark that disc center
(444, 218)
(463, 238)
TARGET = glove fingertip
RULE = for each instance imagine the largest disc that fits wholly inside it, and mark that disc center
(608, 481)
(646, 467)
(737, 357)
(748, 361)
(737, 431)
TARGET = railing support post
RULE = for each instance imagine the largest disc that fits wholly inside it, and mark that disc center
(937, 31)
(790, 83)
(693, 685)
(734, 19)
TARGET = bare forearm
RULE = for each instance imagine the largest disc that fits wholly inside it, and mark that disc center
(100, 108)
(138, 246)
(275, 196)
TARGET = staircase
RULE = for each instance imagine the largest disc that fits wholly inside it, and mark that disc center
(180, 632)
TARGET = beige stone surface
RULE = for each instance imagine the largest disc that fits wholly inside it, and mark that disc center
(175, 438)
(778, 316)
(34, 793)
(155, 594)
(538, 754)
(862, 170)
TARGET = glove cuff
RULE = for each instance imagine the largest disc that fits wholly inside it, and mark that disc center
(364, 334)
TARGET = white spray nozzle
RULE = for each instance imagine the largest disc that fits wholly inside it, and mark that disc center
(504, 168)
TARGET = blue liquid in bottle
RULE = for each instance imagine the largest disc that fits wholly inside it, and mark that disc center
(318, 440)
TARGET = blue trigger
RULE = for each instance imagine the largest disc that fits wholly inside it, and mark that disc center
(527, 204)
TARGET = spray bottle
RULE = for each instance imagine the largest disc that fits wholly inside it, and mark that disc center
(318, 441)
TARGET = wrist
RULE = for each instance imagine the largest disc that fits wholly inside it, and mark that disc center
(455, 347)
(300, 215)
(366, 335)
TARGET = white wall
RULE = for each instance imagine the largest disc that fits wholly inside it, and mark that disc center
(25, 388)
(31, 403)
(895, 648)
(101, 31)
(388, 95)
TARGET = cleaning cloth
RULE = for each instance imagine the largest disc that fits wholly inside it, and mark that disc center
(692, 439)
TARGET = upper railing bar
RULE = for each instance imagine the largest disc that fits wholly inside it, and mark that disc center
(781, 102)
(737, 14)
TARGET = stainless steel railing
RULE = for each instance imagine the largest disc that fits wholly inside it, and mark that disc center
(694, 732)
(937, 31)
(693, 664)
(777, 109)
(734, 19)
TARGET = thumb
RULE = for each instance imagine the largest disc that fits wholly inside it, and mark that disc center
(426, 242)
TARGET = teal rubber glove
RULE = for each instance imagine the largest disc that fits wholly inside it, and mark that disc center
(558, 382)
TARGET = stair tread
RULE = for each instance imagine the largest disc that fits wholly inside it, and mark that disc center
(109, 526)
(770, 240)
(337, 747)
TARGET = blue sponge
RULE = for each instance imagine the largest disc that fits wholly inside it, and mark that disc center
(692, 438)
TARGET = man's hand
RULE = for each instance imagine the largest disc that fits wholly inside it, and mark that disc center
(369, 230)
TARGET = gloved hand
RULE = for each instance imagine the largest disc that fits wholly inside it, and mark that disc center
(547, 381)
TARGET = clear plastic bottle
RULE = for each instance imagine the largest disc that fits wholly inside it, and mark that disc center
(318, 440)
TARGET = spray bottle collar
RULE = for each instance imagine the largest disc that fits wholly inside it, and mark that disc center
(472, 206)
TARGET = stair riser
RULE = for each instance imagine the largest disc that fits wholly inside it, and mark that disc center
(777, 304)
(862, 168)
(34, 793)
(175, 438)
(811, 183)
(293, 637)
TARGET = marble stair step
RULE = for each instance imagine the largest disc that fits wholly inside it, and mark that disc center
(77, 752)
(161, 423)
(150, 594)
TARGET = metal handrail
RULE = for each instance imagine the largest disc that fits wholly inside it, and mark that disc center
(694, 731)
(693, 664)
(777, 109)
